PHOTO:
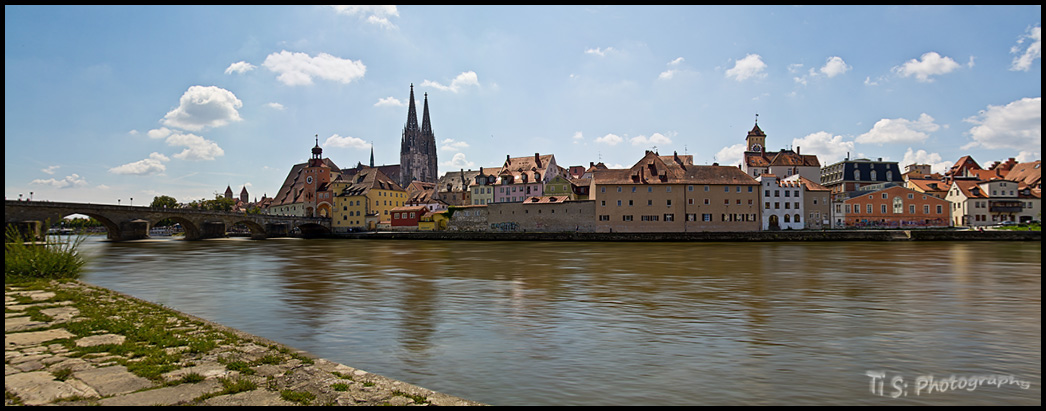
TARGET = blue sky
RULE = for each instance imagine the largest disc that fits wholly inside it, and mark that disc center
(108, 103)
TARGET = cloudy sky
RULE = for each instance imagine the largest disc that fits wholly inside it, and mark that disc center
(108, 103)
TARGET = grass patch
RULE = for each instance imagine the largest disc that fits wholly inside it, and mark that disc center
(192, 378)
(418, 399)
(240, 366)
(301, 397)
(26, 261)
(340, 386)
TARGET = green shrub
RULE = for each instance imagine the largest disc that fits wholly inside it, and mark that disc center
(24, 261)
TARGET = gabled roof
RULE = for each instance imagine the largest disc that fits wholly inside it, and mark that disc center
(970, 189)
(929, 185)
(652, 169)
(293, 186)
(367, 179)
(1029, 174)
(517, 167)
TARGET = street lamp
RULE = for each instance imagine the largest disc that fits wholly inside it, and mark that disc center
(117, 201)
(132, 201)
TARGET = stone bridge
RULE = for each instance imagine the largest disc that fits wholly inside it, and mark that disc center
(132, 223)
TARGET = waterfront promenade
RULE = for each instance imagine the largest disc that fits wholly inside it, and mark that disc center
(71, 343)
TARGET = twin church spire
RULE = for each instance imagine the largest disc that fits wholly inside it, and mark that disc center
(417, 146)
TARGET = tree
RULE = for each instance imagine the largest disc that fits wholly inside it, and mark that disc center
(164, 202)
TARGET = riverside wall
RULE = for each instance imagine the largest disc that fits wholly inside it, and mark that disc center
(829, 235)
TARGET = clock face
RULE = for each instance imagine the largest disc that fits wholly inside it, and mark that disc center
(308, 179)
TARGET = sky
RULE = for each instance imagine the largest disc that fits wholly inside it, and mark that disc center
(120, 104)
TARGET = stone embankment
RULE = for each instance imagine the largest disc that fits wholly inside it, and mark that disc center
(785, 235)
(69, 343)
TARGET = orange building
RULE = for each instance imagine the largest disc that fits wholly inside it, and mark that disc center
(896, 207)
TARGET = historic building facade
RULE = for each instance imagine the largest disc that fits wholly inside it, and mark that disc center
(306, 190)
(784, 163)
(895, 207)
(417, 147)
(670, 194)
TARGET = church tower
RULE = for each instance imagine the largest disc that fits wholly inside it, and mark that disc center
(417, 146)
(756, 138)
(317, 177)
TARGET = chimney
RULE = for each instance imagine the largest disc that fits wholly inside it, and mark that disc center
(797, 150)
(591, 164)
(537, 159)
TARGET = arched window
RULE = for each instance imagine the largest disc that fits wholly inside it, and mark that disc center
(787, 218)
(857, 175)
(796, 218)
(872, 175)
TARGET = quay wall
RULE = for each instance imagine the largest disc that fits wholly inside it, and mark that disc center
(834, 235)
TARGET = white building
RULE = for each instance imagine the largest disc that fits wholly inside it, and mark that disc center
(783, 203)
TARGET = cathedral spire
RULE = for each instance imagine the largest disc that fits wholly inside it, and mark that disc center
(412, 113)
(426, 127)
(372, 155)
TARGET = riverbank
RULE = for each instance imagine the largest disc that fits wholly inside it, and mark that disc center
(72, 343)
(829, 235)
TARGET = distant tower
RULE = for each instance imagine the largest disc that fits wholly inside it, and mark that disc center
(317, 176)
(243, 195)
(228, 192)
(417, 147)
(756, 138)
(372, 155)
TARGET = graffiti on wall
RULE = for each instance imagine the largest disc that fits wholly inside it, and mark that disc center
(506, 226)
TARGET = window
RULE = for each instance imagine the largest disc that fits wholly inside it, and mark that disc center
(619, 203)
(767, 205)
(777, 206)
(911, 208)
(689, 188)
(690, 201)
(926, 209)
(650, 189)
(767, 193)
(604, 217)
(777, 193)
(603, 203)
(633, 189)
(787, 206)
(786, 193)
(882, 208)
(787, 218)
(796, 218)
(691, 217)
(749, 189)
(630, 203)
(669, 203)
(726, 201)
(706, 188)
(869, 208)
(726, 189)
(626, 218)
(706, 217)
(912, 196)
(649, 202)
(668, 189)
(938, 209)
(706, 201)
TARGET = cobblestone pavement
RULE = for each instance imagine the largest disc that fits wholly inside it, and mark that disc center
(69, 343)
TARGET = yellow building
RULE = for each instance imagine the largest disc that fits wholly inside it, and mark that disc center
(364, 200)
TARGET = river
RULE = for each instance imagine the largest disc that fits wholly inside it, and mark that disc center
(590, 323)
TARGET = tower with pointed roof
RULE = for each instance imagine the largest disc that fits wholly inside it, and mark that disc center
(418, 146)
(756, 138)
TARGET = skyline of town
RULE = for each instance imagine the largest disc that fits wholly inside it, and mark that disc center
(93, 114)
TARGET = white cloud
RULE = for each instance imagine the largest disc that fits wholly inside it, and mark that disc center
(72, 180)
(239, 67)
(201, 107)
(1027, 156)
(1017, 125)
(159, 133)
(829, 149)
(671, 72)
(1024, 61)
(467, 78)
(389, 102)
(378, 15)
(751, 66)
(899, 130)
(600, 52)
(656, 138)
(731, 155)
(451, 145)
(196, 147)
(922, 157)
(611, 139)
(50, 169)
(297, 69)
(346, 142)
(931, 64)
(275, 106)
(152, 165)
(459, 162)
(834, 67)
(578, 136)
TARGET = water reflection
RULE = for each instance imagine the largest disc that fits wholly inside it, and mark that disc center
(548, 323)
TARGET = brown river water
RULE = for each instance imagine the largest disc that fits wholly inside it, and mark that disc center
(591, 323)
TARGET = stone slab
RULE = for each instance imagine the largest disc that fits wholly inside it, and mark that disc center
(112, 380)
(178, 394)
(21, 339)
(93, 340)
(23, 323)
(40, 387)
(257, 397)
